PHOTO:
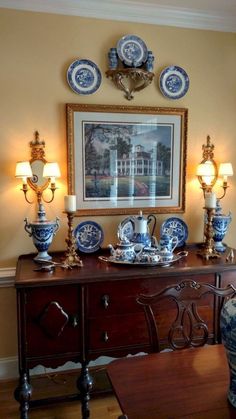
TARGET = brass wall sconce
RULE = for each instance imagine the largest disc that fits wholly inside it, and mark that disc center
(38, 175)
(208, 172)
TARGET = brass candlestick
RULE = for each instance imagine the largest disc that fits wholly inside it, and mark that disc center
(208, 250)
(71, 257)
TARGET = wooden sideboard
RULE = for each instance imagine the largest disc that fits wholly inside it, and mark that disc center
(81, 314)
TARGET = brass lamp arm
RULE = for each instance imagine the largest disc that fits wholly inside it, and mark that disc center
(40, 196)
(25, 189)
(225, 187)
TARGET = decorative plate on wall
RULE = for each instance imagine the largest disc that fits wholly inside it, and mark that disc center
(132, 50)
(174, 226)
(84, 77)
(89, 236)
(126, 229)
(174, 82)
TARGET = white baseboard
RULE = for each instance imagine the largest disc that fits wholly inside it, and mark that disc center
(7, 277)
(8, 368)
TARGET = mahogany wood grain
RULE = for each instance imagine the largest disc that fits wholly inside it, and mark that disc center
(95, 270)
(91, 311)
(191, 383)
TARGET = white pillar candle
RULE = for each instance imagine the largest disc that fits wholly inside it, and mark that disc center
(210, 200)
(70, 203)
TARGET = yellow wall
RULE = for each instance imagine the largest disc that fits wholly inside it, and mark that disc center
(36, 50)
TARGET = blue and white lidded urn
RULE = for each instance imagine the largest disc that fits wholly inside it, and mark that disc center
(42, 231)
(220, 224)
(228, 335)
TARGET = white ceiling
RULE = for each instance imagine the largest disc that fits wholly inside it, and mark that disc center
(200, 14)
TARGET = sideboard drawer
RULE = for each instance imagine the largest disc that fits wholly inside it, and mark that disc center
(131, 329)
(119, 297)
(117, 332)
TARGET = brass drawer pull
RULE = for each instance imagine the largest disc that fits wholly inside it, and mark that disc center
(74, 320)
(105, 301)
(105, 336)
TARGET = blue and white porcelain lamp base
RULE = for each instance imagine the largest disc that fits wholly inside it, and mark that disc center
(42, 232)
(220, 224)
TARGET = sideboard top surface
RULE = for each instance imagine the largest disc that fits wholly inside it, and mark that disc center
(94, 270)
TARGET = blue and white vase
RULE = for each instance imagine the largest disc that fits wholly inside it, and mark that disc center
(42, 232)
(228, 334)
(220, 224)
(149, 62)
(113, 59)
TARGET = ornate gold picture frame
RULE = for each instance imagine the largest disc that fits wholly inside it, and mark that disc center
(125, 158)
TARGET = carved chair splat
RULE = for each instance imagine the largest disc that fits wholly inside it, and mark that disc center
(186, 295)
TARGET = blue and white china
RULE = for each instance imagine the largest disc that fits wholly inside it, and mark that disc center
(84, 77)
(124, 251)
(141, 230)
(126, 229)
(168, 243)
(137, 262)
(113, 59)
(132, 50)
(165, 255)
(148, 255)
(174, 226)
(174, 82)
(228, 335)
(89, 236)
(42, 232)
(149, 62)
(220, 224)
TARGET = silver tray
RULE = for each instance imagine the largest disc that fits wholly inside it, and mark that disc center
(176, 257)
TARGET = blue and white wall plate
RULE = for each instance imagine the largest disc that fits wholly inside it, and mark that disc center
(132, 50)
(89, 236)
(126, 229)
(174, 82)
(174, 226)
(84, 77)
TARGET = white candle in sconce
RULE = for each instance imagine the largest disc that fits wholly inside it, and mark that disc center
(70, 203)
(210, 200)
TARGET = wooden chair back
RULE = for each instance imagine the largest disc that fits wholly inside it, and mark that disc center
(188, 328)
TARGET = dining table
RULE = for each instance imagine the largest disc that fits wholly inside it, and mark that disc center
(188, 384)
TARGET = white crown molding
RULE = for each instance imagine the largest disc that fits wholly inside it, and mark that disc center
(127, 10)
(7, 276)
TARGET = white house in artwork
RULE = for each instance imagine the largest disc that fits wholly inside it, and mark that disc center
(140, 163)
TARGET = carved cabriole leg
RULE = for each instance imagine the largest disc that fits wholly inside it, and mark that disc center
(23, 394)
(84, 384)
